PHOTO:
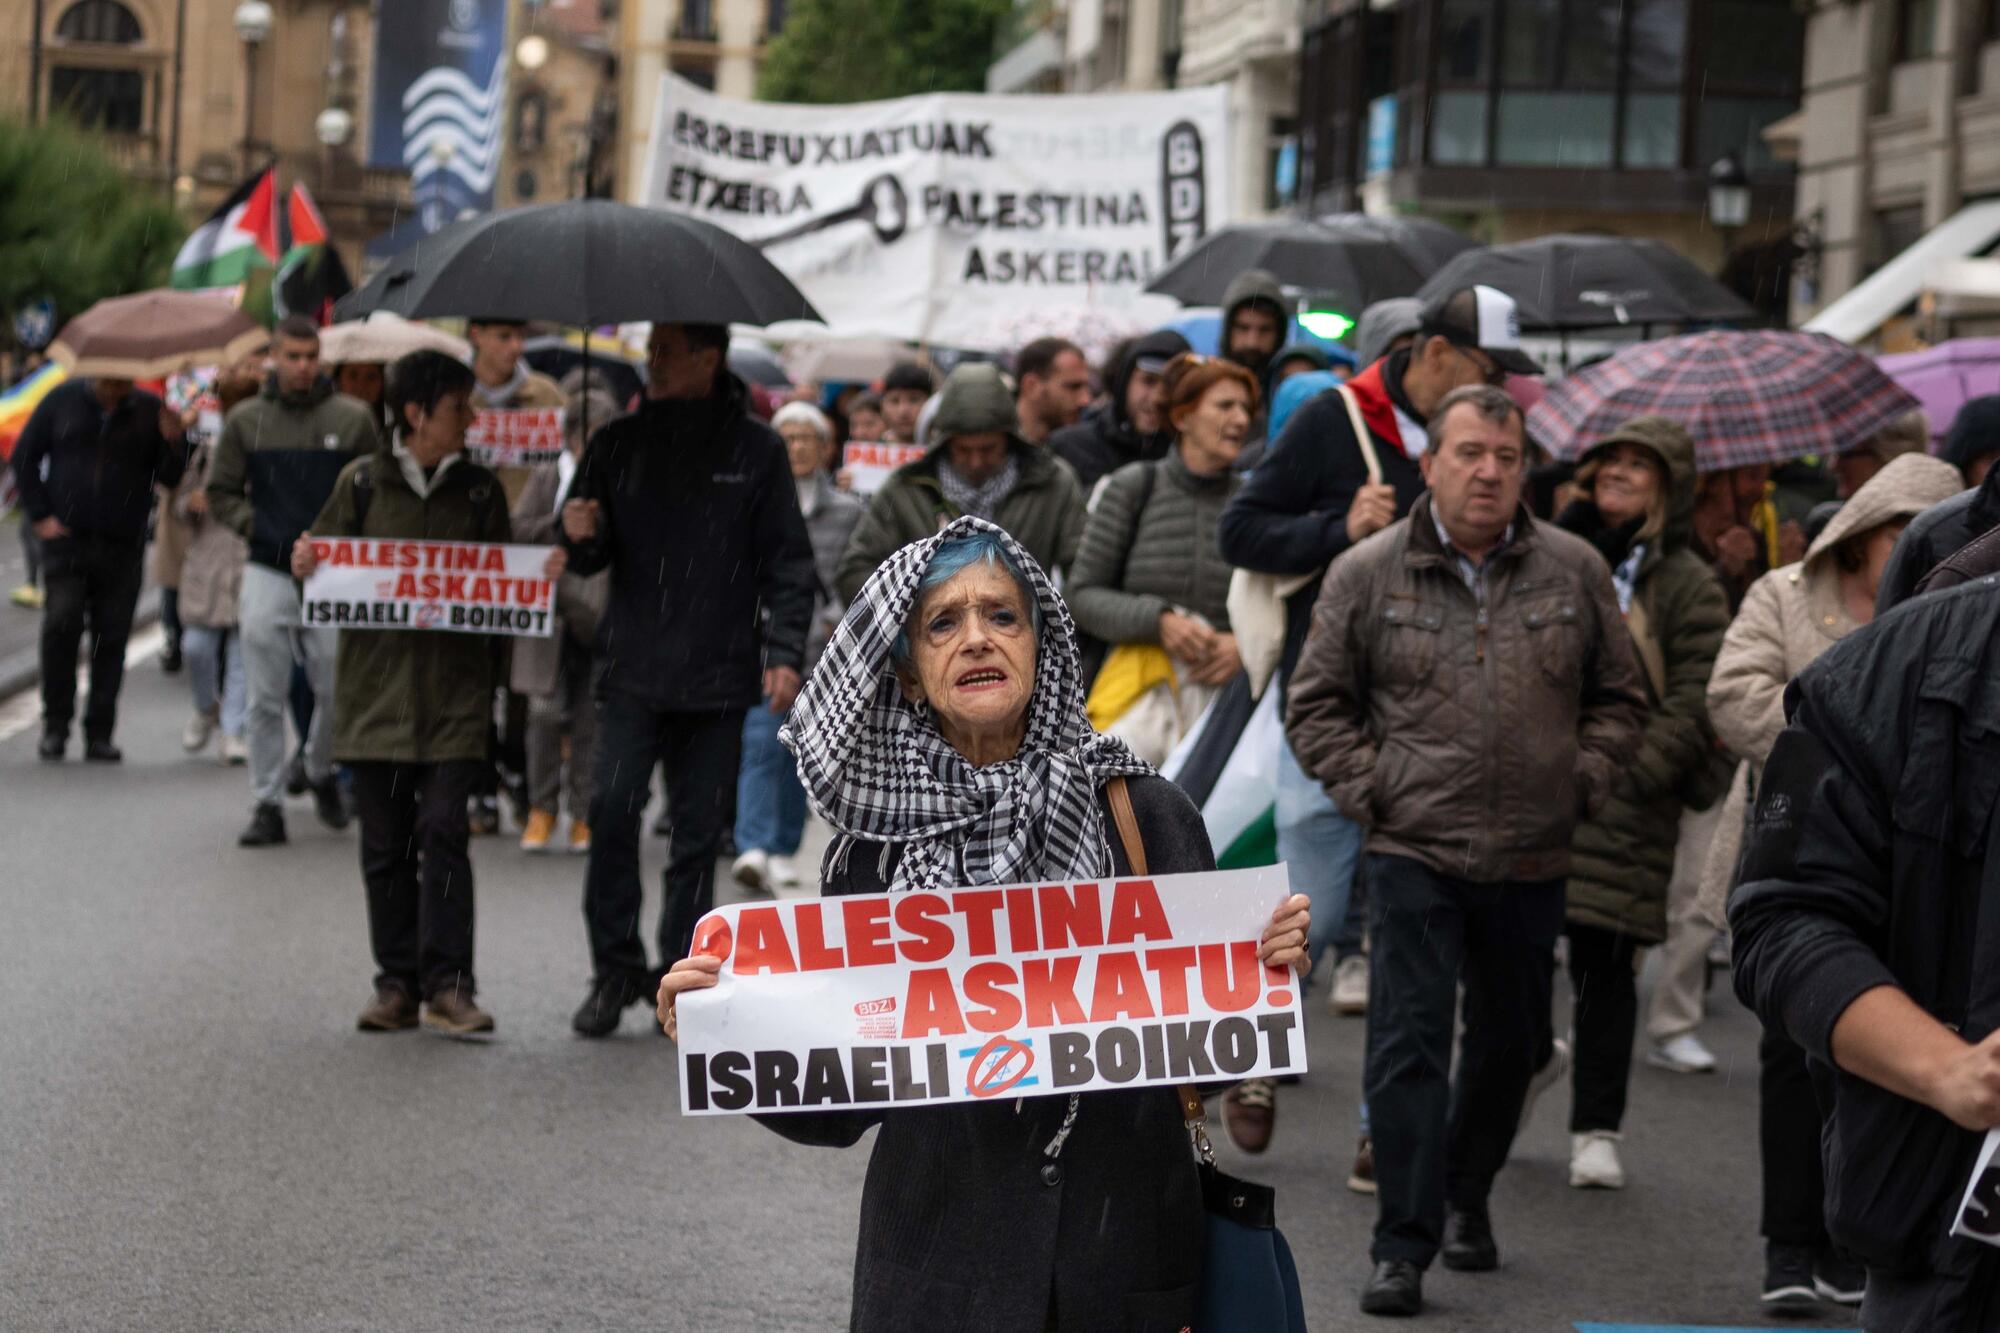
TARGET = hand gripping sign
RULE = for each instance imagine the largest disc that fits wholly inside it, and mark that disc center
(367, 583)
(913, 999)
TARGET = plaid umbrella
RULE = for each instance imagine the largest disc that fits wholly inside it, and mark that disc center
(1755, 397)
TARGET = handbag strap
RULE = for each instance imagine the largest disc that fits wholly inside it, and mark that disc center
(1127, 820)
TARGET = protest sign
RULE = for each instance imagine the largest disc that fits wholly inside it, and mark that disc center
(926, 217)
(869, 465)
(364, 583)
(1979, 1211)
(913, 999)
(515, 436)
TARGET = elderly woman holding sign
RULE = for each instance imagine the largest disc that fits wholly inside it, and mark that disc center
(944, 738)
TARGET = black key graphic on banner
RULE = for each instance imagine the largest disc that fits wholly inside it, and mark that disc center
(883, 205)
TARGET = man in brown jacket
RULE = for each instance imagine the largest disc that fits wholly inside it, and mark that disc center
(1466, 694)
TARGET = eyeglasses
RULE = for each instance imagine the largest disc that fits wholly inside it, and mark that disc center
(1490, 372)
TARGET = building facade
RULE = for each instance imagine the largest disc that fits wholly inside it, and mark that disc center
(1900, 132)
(1517, 118)
(717, 44)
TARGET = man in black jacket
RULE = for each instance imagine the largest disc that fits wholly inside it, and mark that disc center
(86, 464)
(1130, 426)
(1867, 929)
(1935, 534)
(690, 503)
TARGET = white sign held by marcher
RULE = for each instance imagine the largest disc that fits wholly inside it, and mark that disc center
(913, 999)
(515, 436)
(1979, 1211)
(371, 583)
(927, 217)
(868, 465)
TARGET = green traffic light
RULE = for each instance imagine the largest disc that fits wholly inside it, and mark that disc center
(1328, 324)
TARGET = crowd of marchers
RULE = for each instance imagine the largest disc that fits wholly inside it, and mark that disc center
(1539, 717)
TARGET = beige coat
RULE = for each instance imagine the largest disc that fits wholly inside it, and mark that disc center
(211, 575)
(1789, 617)
(580, 598)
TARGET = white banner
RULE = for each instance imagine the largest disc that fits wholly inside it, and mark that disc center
(1979, 1211)
(868, 465)
(364, 583)
(1030, 991)
(515, 436)
(940, 217)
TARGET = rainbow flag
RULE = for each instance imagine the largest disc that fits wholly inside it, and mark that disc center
(19, 403)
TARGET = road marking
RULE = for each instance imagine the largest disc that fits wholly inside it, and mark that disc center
(24, 710)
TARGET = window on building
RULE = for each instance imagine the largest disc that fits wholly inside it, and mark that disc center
(104, 99)
(701, 75)
(1916, 29)
(774, 17)
(1558, 83)
(697, 21)
(1464, 74)
(1896, 230)
(98, 21)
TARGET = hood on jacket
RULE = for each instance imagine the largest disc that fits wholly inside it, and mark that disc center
(1905, 487)
(1974, 431)
(1160, 345)
(1383, 323)
(1252, 284)
(1309, 353)
(975, 399)
(1294, 392)
(1669, 442)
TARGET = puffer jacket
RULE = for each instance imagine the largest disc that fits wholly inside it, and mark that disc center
(1789, 618)
(1471, 748)
(414, 696)
(1044, 512)
(1623, 856)
(1135, 564)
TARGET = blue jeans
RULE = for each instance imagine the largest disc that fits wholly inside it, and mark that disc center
(770, 803)
(1322, 847)
(215, 657)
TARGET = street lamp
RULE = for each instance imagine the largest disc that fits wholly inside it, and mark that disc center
(1728, 193)
(532, 52)
(334, 127)
(253, 25)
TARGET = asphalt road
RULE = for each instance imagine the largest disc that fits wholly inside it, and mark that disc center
(193, 1136)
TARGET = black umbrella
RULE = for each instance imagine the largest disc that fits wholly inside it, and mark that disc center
(1586, 282)
(1350, 259)
(583, 263)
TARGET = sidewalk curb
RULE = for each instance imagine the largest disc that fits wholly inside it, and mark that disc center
(23, 670)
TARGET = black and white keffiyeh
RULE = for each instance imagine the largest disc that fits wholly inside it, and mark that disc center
(982, 500)
(876, 768)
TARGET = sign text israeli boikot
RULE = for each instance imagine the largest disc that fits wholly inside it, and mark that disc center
(375, 583)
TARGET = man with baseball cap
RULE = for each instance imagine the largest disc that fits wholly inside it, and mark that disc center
(1320, 489)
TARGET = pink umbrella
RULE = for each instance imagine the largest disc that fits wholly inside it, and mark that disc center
(1942, 378)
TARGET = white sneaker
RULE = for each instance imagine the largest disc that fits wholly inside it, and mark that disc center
(194, 736)
(1550, 1074)
(1593, 1161)
(1350, 986)
(751, 870)
(235, 750)
(1683, 1055)
(784, 873)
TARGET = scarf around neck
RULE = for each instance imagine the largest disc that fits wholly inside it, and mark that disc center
(876, 768)
(984, 500)
(501, 394)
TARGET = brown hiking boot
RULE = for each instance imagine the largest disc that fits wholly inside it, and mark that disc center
(1248, 1112)
(453, 1011)
(392, 1010)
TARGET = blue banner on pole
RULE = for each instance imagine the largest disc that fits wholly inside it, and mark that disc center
(440, 102)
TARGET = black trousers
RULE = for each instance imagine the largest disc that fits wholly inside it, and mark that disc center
(97, 584)
(1607, 1015)
(1436, 1141)
(1789, 1128)
(698, 754)
(416, 863)
(1960, 1293)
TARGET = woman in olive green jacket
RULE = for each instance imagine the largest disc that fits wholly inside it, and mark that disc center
(1636, 501)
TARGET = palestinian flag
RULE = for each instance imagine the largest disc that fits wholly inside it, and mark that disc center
(238, 238)
(1228, 765)
(311, 276)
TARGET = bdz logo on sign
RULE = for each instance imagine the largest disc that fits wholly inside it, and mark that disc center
(1186, 214)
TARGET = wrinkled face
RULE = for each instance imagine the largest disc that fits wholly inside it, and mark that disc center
(297, 363)
(1058, 398)
(972, 654)
(496, 350)
(360, 379)
(804, 447)
(1143, 393)
(978, 457)
(1213, 430)
(899, 413)
(865, 425)
(1627, 481)
(1475, 469)
(1252, 337)
(675, 369)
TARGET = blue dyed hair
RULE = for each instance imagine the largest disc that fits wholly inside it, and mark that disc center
(1293, 393)
(953, 559)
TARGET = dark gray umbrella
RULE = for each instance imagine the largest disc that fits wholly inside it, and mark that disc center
(1350, 259)
(582, 263)
(1586, 282)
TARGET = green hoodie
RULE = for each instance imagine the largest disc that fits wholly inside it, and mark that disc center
(1044, 512)
(1623, 859)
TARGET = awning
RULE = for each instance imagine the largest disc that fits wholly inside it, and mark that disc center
(1893, 288)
